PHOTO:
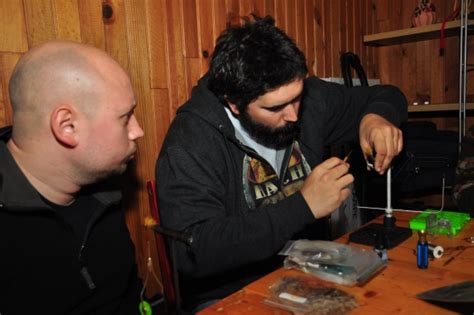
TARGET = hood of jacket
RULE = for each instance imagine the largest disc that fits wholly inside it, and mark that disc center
(204, 104)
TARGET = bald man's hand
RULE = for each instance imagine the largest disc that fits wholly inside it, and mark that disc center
(326, 187)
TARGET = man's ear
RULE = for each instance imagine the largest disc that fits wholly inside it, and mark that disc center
(233, 107)
(64, 125)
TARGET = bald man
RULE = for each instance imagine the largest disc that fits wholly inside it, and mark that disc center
(64, 244)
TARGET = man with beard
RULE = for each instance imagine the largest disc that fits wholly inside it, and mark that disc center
(241, 168)
(65, 247)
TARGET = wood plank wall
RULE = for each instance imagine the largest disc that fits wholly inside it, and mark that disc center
(417, 67)
(165, 46)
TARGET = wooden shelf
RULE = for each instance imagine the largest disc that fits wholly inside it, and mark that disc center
(415, 33)
(437, 107)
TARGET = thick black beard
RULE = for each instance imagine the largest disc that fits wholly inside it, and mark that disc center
(277, 138)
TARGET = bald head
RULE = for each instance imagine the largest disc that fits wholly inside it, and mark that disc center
(74, 105)
(58, 73)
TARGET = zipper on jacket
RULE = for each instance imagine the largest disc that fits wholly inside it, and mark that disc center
(285, 164)
(82, 264)
(84, 272)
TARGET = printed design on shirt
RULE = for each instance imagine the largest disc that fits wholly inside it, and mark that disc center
(262, 185)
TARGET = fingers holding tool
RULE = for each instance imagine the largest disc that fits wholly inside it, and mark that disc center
(369, 158)
(381, 137)
(326, 187)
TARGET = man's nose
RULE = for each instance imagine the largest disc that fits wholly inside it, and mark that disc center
(135, 130)
(290, 113)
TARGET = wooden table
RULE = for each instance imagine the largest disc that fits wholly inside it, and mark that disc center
(391, 291)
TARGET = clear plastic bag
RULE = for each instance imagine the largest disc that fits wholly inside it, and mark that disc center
(331, 261)
(307, 296)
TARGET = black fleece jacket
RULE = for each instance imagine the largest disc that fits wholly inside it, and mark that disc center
(200, 183)
(45, 268)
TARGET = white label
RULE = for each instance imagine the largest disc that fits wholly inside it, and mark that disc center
(293, 298)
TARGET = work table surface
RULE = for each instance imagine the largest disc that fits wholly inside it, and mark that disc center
(392, 290)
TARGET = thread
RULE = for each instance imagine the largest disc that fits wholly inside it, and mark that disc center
(435, 251)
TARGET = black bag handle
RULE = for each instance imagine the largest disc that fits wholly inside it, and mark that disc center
(348, 60)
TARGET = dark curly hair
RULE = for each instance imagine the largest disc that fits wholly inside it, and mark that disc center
(250, 60)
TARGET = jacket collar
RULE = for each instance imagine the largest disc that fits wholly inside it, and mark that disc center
(19, 194)
(207, 106)
(5, 133)
(15, 189)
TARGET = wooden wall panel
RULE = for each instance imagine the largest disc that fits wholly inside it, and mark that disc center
(7, 64)
(3, 105)
(220, 17)
(163, 45)
(161, 113)
(157, 43)
(7, 61)
(206, 18)
(319, 66)
(358, 31)
(269, 7)
(418, 68)
(351, 33)
(91, 23)
(280, 14)
(193, 73)
(451, 87)
(470, 72)
(408, 61)
(190, 26)
(423, 69)
(177, 70)
(452, 62)
(290, 17)
(39, 21)
(116, 40)
(139, 70)
(335, 31)
(66, 20)
(388, 19)
(363, 53)
(233, 11)
(246, 7)
(260, 7)
(300, 18)
(12, 34)
(366, 18)
(371, 67)
(344, 25)
(309, 33)
(409, 70)
(327, 29)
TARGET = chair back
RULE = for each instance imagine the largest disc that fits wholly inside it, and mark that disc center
(164, 260)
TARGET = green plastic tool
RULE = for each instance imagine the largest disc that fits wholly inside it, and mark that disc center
(440, 222)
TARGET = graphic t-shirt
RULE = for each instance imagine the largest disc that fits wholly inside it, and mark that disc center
(272, 175)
